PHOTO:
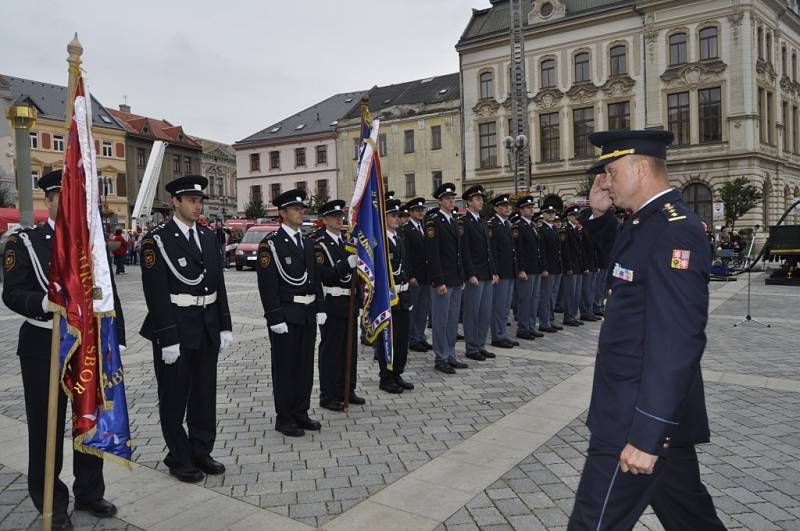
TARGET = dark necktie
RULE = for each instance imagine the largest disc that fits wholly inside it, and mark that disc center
(341, 242)
(193, 243)
(299, 240)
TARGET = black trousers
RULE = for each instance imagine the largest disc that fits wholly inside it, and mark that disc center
(333, 356)
(188, 389)
(400, 323)
(292, 371)
(87, 469)
(608, 498)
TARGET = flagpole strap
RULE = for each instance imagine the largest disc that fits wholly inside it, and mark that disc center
(188, 282)
(37, 265)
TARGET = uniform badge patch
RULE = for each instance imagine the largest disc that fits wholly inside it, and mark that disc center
(622, 273)
(320, 258)
(430, 232)
(263, 259)
(182, 261)
(515, 232)
(149, 258)
(680, 259)
(288, 260)
(9, 261)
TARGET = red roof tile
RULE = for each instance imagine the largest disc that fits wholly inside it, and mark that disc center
(158, 129)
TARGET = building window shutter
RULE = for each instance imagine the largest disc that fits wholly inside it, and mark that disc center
(121, 184)
(97, 146)
(45, 140)
(120, 151)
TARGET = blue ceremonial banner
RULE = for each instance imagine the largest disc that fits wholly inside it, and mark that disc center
(367, 210)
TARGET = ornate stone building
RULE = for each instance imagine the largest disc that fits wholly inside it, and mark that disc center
(722, 75)
(218, 165)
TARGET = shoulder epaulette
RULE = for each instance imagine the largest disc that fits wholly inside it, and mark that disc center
(672, 213)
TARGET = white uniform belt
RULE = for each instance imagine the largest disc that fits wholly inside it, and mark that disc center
(336, 292)
(40, 324)
(304, 299)
(401, 288)
(184, 299)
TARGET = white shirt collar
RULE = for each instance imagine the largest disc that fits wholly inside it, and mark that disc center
(417, 224)
(51, 223)
(529, 221)
(549, 225)
(474, 215)
(290, 231)
(659, 194)
(184, 227)
(448, 215)
(501, 218)
(391, 233)
(334, 237)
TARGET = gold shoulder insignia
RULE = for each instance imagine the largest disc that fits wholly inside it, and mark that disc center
(9, 260)
(672, 213)
(264, 258)
(515, 231)
(149, 258)
(430, 231)
(319, 257)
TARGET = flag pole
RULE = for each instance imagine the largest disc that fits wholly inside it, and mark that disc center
(75, 51)
(351, 324)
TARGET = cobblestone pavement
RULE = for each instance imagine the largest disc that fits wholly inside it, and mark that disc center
(750, 467)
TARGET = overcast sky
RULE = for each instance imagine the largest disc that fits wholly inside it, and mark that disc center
(226, 69)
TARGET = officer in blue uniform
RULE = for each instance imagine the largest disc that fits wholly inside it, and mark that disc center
(189, 323)
(528, 245)
(418, 279)
(336, 266)
(551, 272)
(479, 273)
(291, 294)
(648, 409)
(505, 261)
(26, 264)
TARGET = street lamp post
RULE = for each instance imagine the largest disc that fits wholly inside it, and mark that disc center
(515, 147)
(22, 118)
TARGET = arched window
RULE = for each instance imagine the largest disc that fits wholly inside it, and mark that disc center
(487, 81)
(582, 67)
(708, 43)
(619, 62)
(698, 197)
(548, 72)
(784, 60)
(760, 43)
(677, 49)
(766, 200)
(794, 66)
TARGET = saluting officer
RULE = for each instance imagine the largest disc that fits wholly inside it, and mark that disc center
(505, 262)
(648, 408)
(479, 273)
(336, 266)
(527, 241)
(189, 323)
(418, 280)
(572, 255)
(391, 380)
(26, 263)
(443, 250)
(291, 293)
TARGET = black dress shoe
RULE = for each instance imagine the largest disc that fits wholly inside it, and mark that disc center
(101, 508)
(488, 355)
(308, 424)
(61, 522)
(187, 474)
(457, 364)
(390, 386)
(460, 337)
(332, 405)
(513, 343)
(408, 386)
(548, 329)
(356, 400)
(290, 430)
(571, 322)
(502, 343)
(534, 333)
(477, 356)
(557, 327)
(525, 335)
(418, 347)
(427, 345)
(588, 318)
(208, 465)
(445, 368)
(600, 314)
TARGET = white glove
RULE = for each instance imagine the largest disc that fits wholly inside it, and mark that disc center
(122, 348)
(45, 306)
(352, 260)
(280, 328)
(321, 318)
(170, 354)
(225, 339)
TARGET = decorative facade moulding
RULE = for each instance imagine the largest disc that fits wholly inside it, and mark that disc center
(548, 98)
(693, 74)
(486, 108)
(766, 71)
(788, 86)
(618, 85)
(545, 11)
(582, 92)
(735, 21)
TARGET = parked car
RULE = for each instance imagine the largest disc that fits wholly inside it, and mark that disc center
(247, 249)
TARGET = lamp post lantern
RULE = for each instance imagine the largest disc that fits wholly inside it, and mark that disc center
(516, 147)
(22, 117)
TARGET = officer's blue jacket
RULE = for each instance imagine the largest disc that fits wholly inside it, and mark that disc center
(648, 387)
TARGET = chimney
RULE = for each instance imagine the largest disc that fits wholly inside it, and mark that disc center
(124, 107)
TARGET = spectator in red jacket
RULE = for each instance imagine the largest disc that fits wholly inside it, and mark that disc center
(120, 252)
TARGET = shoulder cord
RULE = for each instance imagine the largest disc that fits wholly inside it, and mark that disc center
(333, 263)
(37, 266)
(299, 281)
(188, 282)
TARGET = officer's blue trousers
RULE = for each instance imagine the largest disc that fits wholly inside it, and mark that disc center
(600, 290)
(609, 499)
(587, 293)
(420, 311)
(477, 311)
(555, 293)
(546, 301)
(570, 291)
(444, 317)
(501, 304)
(527, 310)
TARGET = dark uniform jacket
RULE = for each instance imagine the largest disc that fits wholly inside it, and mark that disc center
(443, 251)
(417, 259)
(648, 388)
(284, 271)
(334, 272)
(588, 251)
(24, 289)
(398, 258)
(528, 243)
(503, 253)
(551, 249)
(572, 250)
(476, 253)
(166, 323)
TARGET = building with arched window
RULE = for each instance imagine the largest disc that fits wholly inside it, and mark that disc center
(722, 76)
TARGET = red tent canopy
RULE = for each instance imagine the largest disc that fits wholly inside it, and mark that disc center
(11, 215)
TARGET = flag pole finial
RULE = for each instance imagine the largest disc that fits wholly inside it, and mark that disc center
(75, 50)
